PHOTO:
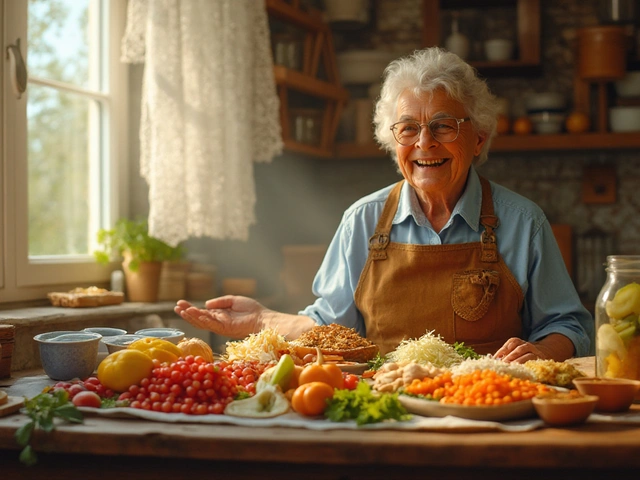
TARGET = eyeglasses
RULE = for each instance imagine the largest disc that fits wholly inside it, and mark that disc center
(442, 130)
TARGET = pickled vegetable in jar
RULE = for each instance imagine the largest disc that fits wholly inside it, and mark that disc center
(616, 313)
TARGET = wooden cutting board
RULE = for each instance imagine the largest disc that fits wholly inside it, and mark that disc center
(12, 405)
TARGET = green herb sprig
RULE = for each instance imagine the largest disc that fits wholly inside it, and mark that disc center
(376, 362)
(465, 352)
(43, 409)
(364, 407)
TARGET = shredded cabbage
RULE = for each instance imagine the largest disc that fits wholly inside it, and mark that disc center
(265, 346)
(429, 348)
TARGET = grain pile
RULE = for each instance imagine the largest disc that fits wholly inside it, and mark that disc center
(335, 339)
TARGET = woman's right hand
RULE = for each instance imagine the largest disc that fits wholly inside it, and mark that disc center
(230, 316)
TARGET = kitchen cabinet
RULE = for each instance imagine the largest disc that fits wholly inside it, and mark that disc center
(314, 87)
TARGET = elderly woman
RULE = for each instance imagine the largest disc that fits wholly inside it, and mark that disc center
(444, 249)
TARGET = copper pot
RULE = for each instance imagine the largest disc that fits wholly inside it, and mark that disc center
(602, 53)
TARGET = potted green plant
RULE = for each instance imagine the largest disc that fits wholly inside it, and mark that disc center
(142, 256)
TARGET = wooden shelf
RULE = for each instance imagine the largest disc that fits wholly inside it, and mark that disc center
(288, 12)
(567, 141)
(358, 150)
(318, 78)
(523, 143)
(310, 85)
(307, 149)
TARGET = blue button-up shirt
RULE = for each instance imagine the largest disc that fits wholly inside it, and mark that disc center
(525, 241)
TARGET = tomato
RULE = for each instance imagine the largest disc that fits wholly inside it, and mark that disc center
(351, 381)
(322, 372)
(75, 389)
(87, 398)
(310, 399)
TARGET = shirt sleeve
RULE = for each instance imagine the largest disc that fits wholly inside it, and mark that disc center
(552, 304)
(337, 279)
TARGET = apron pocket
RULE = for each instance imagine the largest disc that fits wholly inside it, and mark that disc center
(473, 292)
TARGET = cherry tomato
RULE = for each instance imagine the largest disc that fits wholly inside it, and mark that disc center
(351, 381)
(87, 399)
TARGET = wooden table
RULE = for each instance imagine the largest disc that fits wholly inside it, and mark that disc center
(109, 448)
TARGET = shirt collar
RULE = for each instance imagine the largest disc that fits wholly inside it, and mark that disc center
(468, 207)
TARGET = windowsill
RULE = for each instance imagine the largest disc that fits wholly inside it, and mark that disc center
(31, 321)
(52, 315)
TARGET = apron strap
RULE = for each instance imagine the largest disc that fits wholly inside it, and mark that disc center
(490, 222)
(380, 239)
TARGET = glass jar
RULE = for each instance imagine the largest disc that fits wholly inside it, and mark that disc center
(306, 125)
(616, 315)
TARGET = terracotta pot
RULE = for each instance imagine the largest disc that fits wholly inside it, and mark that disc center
(602, 53)
(144, 283)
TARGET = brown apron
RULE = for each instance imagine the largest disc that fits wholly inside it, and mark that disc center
(464, 292)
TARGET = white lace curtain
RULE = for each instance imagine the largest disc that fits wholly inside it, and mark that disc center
(209, 110)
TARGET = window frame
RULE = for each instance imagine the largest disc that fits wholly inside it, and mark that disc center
(21, 278)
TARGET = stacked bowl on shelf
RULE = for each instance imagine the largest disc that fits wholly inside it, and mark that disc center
(626, 118)
(547, 111)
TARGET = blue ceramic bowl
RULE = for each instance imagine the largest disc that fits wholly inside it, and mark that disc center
(106, 332)
(67, 354)
(172, 334)
(120, 342)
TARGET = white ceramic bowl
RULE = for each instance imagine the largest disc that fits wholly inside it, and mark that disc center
(624, 119)
(498, 49)
(629, 85)
(120, 342)
(172, 334)
(68, 354)
(363, 66)
(546, 102)
(547, 122)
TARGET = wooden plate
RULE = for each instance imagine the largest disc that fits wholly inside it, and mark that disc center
(497, 413)
(359, 355)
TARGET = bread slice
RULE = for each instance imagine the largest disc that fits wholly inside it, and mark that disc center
(85, 297)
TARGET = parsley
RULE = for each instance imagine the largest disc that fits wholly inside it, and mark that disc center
(376, 362)
(42, 410)
(465, 352)
(113, 402)
(364, 407)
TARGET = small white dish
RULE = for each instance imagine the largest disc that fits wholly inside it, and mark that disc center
(547, 122)
(498, 49)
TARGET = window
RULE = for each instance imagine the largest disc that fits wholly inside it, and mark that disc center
(65, 144)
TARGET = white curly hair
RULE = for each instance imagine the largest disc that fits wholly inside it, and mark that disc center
(428, 70)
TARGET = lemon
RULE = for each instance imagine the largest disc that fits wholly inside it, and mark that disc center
(608, 341)
(625, 302)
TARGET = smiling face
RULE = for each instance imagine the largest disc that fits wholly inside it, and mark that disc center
(433, 169)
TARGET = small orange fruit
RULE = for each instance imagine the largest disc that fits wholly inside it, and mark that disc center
(504, 125)
(577, 122)
(522, 126)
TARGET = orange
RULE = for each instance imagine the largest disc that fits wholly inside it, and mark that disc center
(577, 122)
(504, 125)
(522, 126)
